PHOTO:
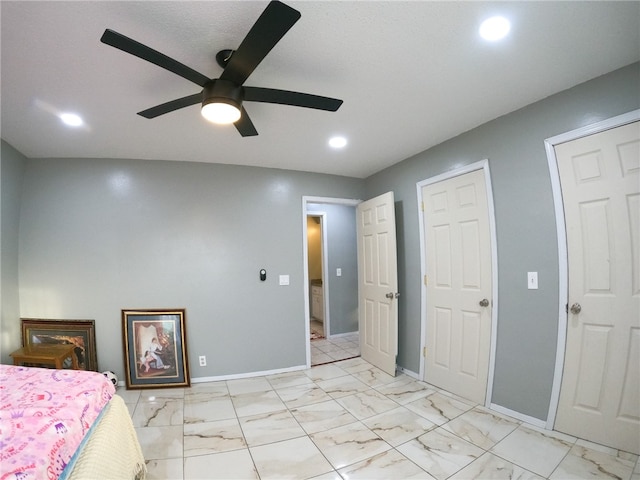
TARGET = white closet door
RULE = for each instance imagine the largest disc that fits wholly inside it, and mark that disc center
(600, 393)
(458, 291)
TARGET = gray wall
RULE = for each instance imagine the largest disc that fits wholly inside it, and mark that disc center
(12, 165)
(341, 253)
(98, 236)
(526, 229)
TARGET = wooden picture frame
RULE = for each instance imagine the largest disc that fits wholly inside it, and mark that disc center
(81, 333)
(155, 348)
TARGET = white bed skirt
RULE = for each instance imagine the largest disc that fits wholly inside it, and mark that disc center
(112, 451)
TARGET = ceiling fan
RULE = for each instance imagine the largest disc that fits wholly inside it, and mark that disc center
(222, 97)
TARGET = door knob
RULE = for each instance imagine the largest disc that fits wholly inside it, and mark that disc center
(576, 308)
(484, 302)
(389, 295)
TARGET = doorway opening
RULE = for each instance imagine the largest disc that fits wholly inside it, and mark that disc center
(330, 279)
(315, 255)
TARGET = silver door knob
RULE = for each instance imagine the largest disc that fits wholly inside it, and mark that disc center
(397, 295)
(576, 308)
(484, 302)
(389, 295)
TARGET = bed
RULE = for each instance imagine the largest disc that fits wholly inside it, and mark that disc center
(64, 425)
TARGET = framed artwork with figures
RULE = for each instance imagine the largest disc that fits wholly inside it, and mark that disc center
(155, 348)
(80, 333)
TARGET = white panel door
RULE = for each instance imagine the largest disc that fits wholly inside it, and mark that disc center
(458, 285)
(600, 392)
(378, 282)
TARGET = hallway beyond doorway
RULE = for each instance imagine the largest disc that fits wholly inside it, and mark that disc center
(317, 329)
(334, 349)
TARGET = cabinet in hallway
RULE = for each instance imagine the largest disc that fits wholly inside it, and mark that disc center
(317, 303)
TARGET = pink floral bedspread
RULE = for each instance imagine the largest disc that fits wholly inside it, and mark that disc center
(44, 415)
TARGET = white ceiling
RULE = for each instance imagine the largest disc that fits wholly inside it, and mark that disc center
(411, 74)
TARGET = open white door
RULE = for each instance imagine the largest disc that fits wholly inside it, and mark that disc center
(378, 282)
(600, 394)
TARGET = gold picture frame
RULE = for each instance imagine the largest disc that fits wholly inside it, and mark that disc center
(155, 348)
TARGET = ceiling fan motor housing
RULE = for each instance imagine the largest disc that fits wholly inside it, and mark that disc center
(222, 91)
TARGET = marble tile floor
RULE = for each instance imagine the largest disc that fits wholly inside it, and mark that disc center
(327, 350)
(349, 420)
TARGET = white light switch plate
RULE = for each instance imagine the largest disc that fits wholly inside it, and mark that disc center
(532, 280)
(284, 279)
(338, 272)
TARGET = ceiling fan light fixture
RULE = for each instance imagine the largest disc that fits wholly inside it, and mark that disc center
(221, 102)
(220, 112)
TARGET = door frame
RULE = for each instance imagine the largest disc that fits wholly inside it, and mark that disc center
(481, 165)
(325, 262)
(561, 232)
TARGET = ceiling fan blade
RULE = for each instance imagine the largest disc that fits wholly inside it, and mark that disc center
(296, 99)
(176, 104)
(271, 26)
(133, 47)
(245, 125)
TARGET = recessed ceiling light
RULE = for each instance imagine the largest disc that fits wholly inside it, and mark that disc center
(495, 28)
(71, 119)
(338, 142)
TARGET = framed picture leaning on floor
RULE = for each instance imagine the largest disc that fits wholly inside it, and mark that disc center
(155, 348)
(80, 333)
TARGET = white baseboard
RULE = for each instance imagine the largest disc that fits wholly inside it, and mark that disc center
(519, 416)
(409, 373)
(247, 375)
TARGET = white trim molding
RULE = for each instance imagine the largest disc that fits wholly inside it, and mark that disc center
(481, 165)
(563, 264)
(409, 373)
(518, 416)
(248, 375)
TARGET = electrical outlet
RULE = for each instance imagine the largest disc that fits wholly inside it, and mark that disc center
(203, 360)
